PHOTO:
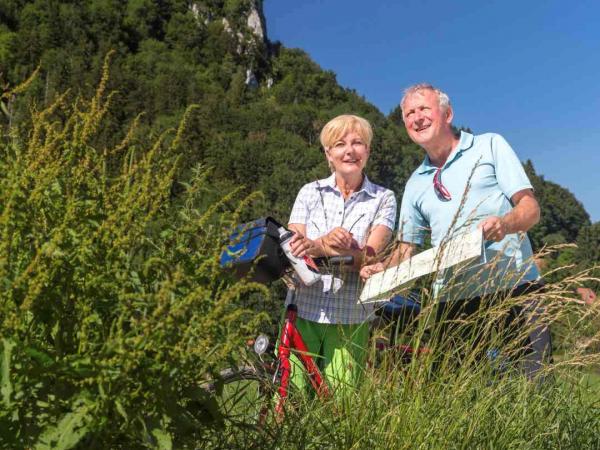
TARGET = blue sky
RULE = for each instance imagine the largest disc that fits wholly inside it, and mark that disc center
(529, 70)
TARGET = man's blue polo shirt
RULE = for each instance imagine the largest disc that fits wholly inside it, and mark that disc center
(482, 174)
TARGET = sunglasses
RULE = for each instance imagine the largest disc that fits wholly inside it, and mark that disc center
(439, 188)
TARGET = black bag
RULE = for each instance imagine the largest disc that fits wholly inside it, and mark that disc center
(254, 250)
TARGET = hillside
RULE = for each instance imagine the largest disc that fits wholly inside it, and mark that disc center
(260, 104)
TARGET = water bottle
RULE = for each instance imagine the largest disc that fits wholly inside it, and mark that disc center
(304, 266)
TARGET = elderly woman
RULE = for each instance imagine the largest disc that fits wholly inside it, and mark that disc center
(344, 214)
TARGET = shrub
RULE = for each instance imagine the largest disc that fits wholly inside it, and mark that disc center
(113, 306)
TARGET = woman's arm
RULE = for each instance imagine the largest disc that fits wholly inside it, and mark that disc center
(337, 242)
(401, 252)
(346, 246)
(377, 241)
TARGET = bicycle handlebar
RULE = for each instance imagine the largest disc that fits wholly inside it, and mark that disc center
(329, 261)
(255, 249)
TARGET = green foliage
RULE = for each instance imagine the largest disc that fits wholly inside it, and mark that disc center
(397, 412)
(587, 254)
(113, 308)
(6, 44)
(563, 219)
(169, 55)
(562, 213)
(588, 245)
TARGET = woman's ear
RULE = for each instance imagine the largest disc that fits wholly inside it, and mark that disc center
(329, 160)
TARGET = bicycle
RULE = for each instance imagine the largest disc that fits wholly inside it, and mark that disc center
(245, 394)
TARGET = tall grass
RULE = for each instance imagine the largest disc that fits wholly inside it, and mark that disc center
(113, 307)
(460, 395)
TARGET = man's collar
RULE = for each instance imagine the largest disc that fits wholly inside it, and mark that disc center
(367, 186)
(464, 143)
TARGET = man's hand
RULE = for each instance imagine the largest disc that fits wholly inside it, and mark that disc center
(494, 228)
(368, 271)
(524, 215)
(301, 245)
(339, 238)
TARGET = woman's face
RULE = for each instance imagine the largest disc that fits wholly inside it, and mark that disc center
(348, 155)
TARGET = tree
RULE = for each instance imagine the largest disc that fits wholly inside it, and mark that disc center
(588, 243)
(562, 213)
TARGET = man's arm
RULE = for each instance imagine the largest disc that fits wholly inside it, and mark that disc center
(524, 215)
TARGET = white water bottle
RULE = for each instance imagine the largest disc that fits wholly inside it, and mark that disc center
(305, 267)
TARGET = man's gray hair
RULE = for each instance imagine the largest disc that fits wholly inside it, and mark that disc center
(442, 96)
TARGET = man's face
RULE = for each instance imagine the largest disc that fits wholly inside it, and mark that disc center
(425, 122)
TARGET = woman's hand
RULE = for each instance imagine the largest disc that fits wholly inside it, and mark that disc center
(368, 271)
(301, 245)
(339, 238)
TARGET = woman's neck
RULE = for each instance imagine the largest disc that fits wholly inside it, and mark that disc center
(348, 185)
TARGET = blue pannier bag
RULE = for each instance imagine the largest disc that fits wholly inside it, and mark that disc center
(403, 307)
(254, 251)
(401, 310)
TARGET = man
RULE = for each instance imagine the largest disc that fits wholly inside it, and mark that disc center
(465, 182)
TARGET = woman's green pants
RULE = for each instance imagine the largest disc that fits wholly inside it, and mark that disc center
(339, 351)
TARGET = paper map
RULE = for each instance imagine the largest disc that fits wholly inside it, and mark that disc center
(459, 249)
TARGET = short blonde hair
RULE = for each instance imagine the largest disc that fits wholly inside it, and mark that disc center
(339, 126)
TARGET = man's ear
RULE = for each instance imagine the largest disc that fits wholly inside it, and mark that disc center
(449, 114)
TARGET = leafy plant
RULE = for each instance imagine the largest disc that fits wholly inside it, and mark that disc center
(114, 308)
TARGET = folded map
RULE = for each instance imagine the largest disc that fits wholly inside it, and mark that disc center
(461, 248)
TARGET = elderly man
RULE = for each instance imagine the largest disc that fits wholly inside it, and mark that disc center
(465, 182)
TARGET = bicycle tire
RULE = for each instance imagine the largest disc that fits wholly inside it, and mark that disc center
(243, 395)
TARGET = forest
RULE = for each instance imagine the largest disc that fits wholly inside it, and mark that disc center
(260, 106)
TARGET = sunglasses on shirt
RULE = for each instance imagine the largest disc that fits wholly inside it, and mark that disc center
(439, 188)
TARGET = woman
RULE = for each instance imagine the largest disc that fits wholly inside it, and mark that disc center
(344, 214)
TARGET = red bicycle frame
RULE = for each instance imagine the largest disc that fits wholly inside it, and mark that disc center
(291, 339)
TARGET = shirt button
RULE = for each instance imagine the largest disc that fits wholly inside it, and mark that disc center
(339, 212)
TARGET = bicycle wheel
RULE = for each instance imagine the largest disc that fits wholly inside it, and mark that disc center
(243, 395)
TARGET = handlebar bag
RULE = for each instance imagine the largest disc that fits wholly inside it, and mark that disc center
(253, 251)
